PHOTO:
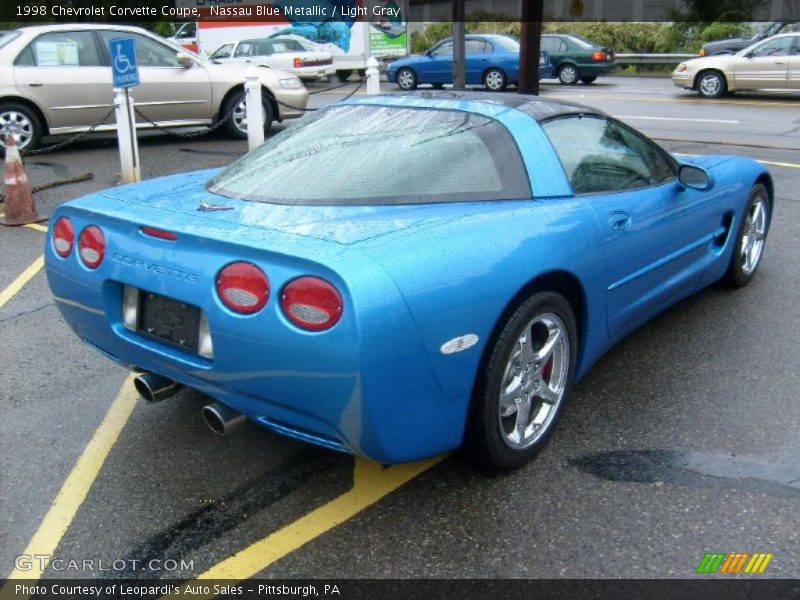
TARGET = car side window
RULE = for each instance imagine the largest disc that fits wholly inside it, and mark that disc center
(549, 44)
(61, 49)
(600, 155)
(223, 51)
(149, 52)
(243, 49)
(475, 46)
(445, 49)
(774, 47)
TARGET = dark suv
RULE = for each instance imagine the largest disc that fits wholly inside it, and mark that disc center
(732, 46)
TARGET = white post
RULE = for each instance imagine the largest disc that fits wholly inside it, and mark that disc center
(255, 110)
(126, 134)
(373, 77)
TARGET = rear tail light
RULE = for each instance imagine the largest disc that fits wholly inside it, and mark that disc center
(243, 287)
(92, 246)
(599, 56)
(63, 237)
(298, 62)
(312, 303)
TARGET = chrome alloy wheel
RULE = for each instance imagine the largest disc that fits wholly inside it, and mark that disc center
(534, 381)
(18, 124)
(710, 85)
(239, 116)
(755, 230)
(406, 79)
(568, 74)
(495, 80)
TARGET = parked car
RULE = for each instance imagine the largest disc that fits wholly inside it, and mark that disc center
(278, 53)
(491, 60)
(771, 64)
(734, 45)
(577, 59)
(447, 282)
(56, 79)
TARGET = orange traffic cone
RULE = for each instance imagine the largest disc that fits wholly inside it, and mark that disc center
(19, 203)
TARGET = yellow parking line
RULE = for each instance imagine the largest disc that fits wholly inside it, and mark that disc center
(75, 489)
(780, 164)
(16, 285)
(371, 482)
(37, 227)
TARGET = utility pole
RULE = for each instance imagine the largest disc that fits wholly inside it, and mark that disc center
(530, 46)
(459, 50)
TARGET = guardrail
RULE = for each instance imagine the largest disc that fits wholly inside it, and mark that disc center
(652, 59)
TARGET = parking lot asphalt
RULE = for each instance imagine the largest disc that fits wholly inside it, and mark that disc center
(682, 440)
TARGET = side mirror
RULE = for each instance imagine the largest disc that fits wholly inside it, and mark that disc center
(428, 52)
(694, 177)
(185, 60)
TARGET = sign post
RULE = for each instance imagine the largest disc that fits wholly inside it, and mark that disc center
(126, 75)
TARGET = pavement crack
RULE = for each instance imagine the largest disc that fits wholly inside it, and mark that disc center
(27, 312)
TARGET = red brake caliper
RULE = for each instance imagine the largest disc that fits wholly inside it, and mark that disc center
(548, 370)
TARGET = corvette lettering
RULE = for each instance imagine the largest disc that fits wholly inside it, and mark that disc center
(155, 268)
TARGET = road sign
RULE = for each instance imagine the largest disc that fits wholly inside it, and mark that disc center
(123, 62)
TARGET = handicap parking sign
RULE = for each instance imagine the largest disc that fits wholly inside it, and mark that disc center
(123, 62)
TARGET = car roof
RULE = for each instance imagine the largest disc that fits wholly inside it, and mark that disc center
(79, 26)
(534, 106)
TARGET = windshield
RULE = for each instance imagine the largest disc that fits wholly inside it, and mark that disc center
(7, 36)
(507, 43)
(374, 155)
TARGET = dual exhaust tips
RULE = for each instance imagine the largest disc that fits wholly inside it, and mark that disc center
(220, 418)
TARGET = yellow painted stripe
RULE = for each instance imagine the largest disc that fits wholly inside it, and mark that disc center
(755, 563)
(37, 227)
(371, 482)
(764, 564)
(780, 164)
(16, 285)
(80, 480)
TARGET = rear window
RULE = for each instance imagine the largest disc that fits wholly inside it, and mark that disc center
(507, 43)
(374, 155)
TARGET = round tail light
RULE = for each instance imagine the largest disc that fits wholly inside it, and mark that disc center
(312, 303)
(63, 237)
(92, 246)
(243, 287)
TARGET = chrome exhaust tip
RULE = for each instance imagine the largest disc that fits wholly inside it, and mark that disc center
(155, 388)
(221, 419)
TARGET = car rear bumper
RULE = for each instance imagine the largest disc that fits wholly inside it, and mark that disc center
(595, 70)
(366, 386)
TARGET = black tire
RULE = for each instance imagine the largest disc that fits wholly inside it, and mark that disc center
(232, 125)
(344, 75)
(568, 74)
(740, 272)
(406, 79)
(21, 120)
(711, 84)
(485, 437)
(495, 80)
(588, 80)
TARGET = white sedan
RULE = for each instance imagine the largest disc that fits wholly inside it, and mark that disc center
(772, 64)
(278, 53)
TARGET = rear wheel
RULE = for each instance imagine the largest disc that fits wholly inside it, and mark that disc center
(588, 80)
(406, 79)
(495, 80)
(568, 74)
(750, 239)
(236, 125)
(524, 383)
(23, 123)
(344, 75)
(711, 84)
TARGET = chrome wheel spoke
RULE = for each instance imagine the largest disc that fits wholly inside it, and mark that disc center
(522, 421)
(548, 394)
(546, 351)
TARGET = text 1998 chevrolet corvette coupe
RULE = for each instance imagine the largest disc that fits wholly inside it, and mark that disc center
(398, 276)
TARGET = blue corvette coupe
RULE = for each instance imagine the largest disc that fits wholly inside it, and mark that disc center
(491, 60)
(445, 285)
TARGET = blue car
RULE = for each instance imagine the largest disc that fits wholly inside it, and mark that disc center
(491, 60)
(446, 284)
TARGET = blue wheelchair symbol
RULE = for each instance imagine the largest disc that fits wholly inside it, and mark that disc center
(123, 62)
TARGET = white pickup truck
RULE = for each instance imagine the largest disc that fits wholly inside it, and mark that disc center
(282, 53)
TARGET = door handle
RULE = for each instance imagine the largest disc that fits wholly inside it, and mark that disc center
(619, 220)
(781, 64)
(35, 83)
